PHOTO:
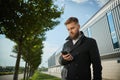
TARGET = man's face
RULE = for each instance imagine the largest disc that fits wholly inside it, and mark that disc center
(73, 29)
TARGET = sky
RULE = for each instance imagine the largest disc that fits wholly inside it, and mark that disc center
(82, 9)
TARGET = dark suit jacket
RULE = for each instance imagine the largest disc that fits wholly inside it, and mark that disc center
(85, 52)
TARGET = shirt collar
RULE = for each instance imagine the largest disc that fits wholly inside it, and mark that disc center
(74, 41)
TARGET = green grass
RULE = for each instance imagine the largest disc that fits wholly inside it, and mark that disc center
(41, 76)
(6, 73)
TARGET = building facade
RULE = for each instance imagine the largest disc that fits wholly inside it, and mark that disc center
(104, 26)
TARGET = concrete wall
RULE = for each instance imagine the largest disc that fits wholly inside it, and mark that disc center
(111, 69)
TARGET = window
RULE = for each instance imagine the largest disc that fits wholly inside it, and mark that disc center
(112, 30)
(89, 32)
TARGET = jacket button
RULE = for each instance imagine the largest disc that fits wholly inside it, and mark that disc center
(77, 77)
(76, 64)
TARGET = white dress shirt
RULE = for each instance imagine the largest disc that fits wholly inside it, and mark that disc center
(75, 40)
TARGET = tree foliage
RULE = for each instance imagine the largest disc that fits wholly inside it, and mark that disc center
(23, 19)
(31, 54)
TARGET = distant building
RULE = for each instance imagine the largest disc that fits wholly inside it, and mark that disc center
(104, 26)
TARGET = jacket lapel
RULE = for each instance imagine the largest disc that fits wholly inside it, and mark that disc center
(70, 46)
(70, 43)
(78, 43)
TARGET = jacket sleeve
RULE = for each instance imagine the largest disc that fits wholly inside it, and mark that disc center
(61, 60)
(95, 59)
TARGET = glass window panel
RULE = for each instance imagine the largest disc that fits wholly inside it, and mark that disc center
(112, 30)
(89, 32)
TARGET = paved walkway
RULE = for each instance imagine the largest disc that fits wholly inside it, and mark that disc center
(53, 74)
(10, 77)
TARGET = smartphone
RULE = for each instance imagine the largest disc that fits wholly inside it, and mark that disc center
(64, 52)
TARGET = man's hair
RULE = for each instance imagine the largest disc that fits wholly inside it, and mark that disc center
(71, 19)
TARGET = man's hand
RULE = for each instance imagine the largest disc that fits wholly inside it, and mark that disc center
(67, 57)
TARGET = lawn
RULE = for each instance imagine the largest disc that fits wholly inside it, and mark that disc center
(41, 76)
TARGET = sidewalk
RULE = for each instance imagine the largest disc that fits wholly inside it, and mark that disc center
(53, 74)
(10, 77)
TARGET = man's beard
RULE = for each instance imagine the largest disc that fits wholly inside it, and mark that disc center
(75, 36)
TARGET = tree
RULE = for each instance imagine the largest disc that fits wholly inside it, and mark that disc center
(32, 51)
(20, 19)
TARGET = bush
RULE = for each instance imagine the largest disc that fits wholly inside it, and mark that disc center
(5, 73)
(8, 73)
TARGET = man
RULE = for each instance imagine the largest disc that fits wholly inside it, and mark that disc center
(78, 53)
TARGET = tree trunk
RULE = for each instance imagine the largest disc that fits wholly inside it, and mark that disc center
(24, 78)
(17, 62)
(27, 77)
(30, 73)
